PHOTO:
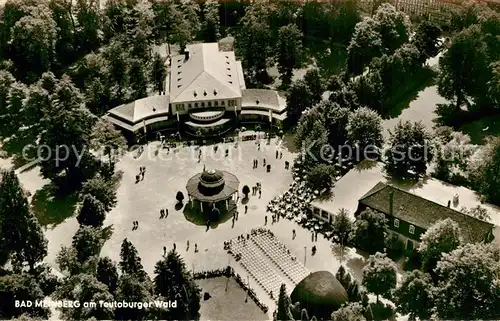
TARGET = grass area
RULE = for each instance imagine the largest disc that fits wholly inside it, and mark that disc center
(402, 97)
(50, 208)
(475, 129)
(329, 59)
(228, 305)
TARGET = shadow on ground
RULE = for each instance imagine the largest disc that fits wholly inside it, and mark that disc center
(197, 217)
(20, 147)
(403, 96)
(51, 208)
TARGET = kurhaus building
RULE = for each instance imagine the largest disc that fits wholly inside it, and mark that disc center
(205, 95)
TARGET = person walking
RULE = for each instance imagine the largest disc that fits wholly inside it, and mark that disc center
(264, 161)
(246, 209)
(162, 213)
(175, 246)
(166, 212)
(293, 234)
(260, 193)
(195, 247)
(265, 220)
(164, 250)
(188, 244)
(277, 154)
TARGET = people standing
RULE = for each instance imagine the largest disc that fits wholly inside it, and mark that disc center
(276, 154)
(265, 220)
(246, 209)
(162, 213)
(195, 247)
(164, 250)
(175, 246)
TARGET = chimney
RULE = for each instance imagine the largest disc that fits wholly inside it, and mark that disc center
(186, 54)
(391, 202)
(449, 203)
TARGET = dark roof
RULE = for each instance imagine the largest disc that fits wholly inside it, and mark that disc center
(422, 212)
(214, 194)
(320, 293)
(211, 176)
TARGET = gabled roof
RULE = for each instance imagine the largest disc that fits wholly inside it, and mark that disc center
(422, 212)
(142, 108)
(206, 75)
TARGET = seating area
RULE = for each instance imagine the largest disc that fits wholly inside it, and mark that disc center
(280, 255)
(245, 252)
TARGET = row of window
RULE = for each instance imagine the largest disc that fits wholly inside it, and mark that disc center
(216, 103)
(411, 230)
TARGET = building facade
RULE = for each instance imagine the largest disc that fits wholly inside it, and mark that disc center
(409, 216)
(205, 95)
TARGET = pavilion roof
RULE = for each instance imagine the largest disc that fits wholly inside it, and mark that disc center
(204, 194)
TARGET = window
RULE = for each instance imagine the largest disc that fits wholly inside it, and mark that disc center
(229, 103)
(324, 214)
(216, 103)
(209, 104)
(222, 103)
(396, 222)
(202, 104)
(196, 105)
(189, 106)
(412, 229)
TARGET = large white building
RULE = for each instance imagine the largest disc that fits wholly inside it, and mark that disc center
(205, 95)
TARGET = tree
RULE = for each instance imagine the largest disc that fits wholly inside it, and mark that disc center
(246, 190)
(320, 176)
(393, 26)
(33, 42)
(350, 312)
(65, 133)
(414, 296)
(92, 212)
(107, 273)
(283, 307)
(484, 170)
(20, 287)
(130, 262)
(132, 290)
(253, 42)
(158, 73)
(88, 25)
(138, 79)
(22, 235)
(366, 44)
(108, 140)
(410, 150)
(379, 275)
(364, 130)
(464, 68)
(298, 99)
(103, 190)
(426, 39)
(369, 231)
(288, 51)
(179, 197)
(314, 80)
(87, 242)
(84, 288)
(211, 21)
(173, 281)
(342, 226)
(442, 237)
(468, 286)
(336, 120)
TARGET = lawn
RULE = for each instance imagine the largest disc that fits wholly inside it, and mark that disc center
(476, 129)
(228, 305)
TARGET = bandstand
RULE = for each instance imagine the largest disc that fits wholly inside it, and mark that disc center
(213, 191)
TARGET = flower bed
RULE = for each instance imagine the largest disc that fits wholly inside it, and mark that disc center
(229, 272)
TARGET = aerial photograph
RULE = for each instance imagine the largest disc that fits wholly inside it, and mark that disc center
(247, 160)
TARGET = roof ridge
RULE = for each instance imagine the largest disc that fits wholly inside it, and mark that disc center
(435, 203)
(374, 190)
(217, 78)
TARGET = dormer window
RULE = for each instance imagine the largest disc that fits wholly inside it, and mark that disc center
(228, 68)
(179, 79)
(154, 109)
(411, 229)
(179, 86)
(227, 57)
(195, 94)
(215, 92)
(229, 75)
(227, 62)
(230, 82)
(396, 222)
(204, 93)
(178, 72)
(257, 102)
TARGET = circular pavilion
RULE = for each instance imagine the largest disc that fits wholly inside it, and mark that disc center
(213, 191)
